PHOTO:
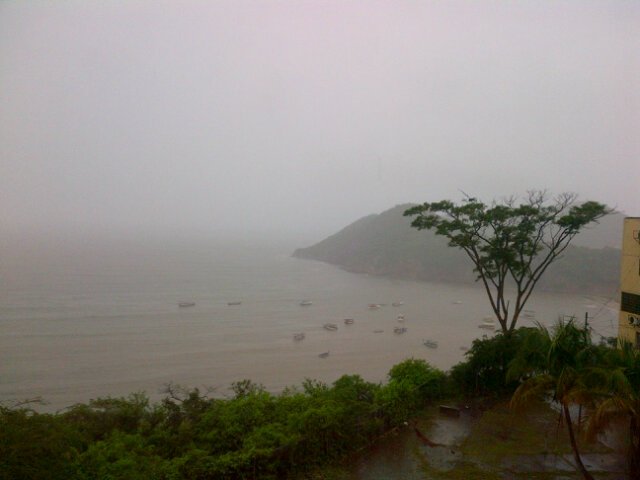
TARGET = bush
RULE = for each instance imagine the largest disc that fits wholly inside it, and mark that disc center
(255, 434)
(412, 384)
(428, 382)
(35, 446)
(485, 370)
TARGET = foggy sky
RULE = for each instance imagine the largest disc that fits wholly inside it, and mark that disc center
(298, 117)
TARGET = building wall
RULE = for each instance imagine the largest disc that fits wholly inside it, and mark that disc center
(629, 320)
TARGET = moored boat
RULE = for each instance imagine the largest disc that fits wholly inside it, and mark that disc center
(234, 303)
(298, 336)
(306, 303)
(400, 330)
(487, 326)
(348, 321)
(330, 326)
(324, 354)
(488, 323)
(430, 343)
(186, 304)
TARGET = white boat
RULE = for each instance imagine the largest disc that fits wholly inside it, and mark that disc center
(457, 302)
(397, 304)
(486, 326)
(488, 323)
(306, 303)
(430, 343)
(348, 321)
(401, 318)
(330, 326)
(298, 336)
(374, 306)
(324, 354)
(186, 304)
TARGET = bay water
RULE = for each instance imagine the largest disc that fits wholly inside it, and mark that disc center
(81, 320)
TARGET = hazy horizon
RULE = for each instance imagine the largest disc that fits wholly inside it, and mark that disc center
(293, 119)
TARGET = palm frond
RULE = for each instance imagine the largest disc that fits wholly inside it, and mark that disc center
(605, 414)
(532, 389)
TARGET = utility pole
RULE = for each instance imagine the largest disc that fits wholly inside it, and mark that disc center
(586, 320)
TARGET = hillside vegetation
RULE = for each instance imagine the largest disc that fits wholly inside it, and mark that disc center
(385, 244)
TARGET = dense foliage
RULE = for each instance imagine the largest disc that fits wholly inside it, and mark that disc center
(188, 435)
(484, 372)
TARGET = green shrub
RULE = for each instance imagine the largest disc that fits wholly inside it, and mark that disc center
(484, 372)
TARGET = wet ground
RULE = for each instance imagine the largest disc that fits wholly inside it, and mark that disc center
(402, 454)
(496, 444)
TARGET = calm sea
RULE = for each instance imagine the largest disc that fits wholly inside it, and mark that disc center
(102, 318)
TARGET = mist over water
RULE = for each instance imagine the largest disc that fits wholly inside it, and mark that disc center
(82, 321)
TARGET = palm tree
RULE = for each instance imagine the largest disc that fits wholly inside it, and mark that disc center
(617, 385)
(556, 363)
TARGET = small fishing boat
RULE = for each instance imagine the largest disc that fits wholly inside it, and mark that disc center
(186, 304)
(324, 354)
(487, 326)
(374, 306)
(348, 321)
(430, 343)
(306, 303)
(330, 326)
(488, 323)
(234, 303)
(457, 302)
(397, 304)
(298, 337)
(401, 318)
(400, 330)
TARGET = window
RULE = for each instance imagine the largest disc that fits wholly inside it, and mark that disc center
(630, 303)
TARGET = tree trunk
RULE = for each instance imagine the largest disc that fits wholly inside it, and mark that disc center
(574, 445)
(634, 450)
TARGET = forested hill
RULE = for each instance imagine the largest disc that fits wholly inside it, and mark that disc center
(385, 244)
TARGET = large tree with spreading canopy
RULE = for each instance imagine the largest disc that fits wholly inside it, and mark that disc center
(511, 243)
